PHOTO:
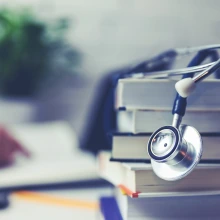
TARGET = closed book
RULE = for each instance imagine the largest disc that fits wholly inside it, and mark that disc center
(179, 207)
(109, 208)
(159, 94)
(148, 121)
(128, 147)
(139, 180)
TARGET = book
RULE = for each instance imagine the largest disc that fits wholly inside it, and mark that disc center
(141, 121)
(109, 208)
(120, 206)
(159, 94)
(180, 207)
(128, 147)
(139, 180)
(55, 157)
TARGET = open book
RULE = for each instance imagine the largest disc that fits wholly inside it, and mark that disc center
(55, 157)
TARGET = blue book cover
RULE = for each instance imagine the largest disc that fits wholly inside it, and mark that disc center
(109, 208)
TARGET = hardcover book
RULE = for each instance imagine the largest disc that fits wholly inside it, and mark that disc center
(159, 94)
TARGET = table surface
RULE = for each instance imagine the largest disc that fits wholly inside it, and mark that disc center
(65, 204)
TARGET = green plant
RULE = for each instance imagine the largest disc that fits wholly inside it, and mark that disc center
(29, 51)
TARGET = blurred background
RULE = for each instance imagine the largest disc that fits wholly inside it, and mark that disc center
(53, 53)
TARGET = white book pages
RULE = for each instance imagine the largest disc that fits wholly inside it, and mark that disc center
(149, 121)
(159, 94)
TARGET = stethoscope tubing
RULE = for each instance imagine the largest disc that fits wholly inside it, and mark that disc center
(179, 72)
(174, 72)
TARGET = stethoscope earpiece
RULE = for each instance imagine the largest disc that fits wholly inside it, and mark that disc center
(174, 152)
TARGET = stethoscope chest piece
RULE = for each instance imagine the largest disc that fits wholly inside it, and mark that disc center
(174, 152)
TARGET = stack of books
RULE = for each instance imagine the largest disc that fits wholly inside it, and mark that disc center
(139, 194)
(144, 105)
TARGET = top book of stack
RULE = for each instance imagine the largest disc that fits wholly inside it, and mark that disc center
(159, 94)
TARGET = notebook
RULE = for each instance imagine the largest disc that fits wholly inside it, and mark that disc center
(55, 157)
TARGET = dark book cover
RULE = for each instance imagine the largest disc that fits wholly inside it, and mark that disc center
(109, 208)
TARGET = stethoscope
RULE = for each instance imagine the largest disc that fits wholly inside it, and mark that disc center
(176, 149)
(151, 68)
